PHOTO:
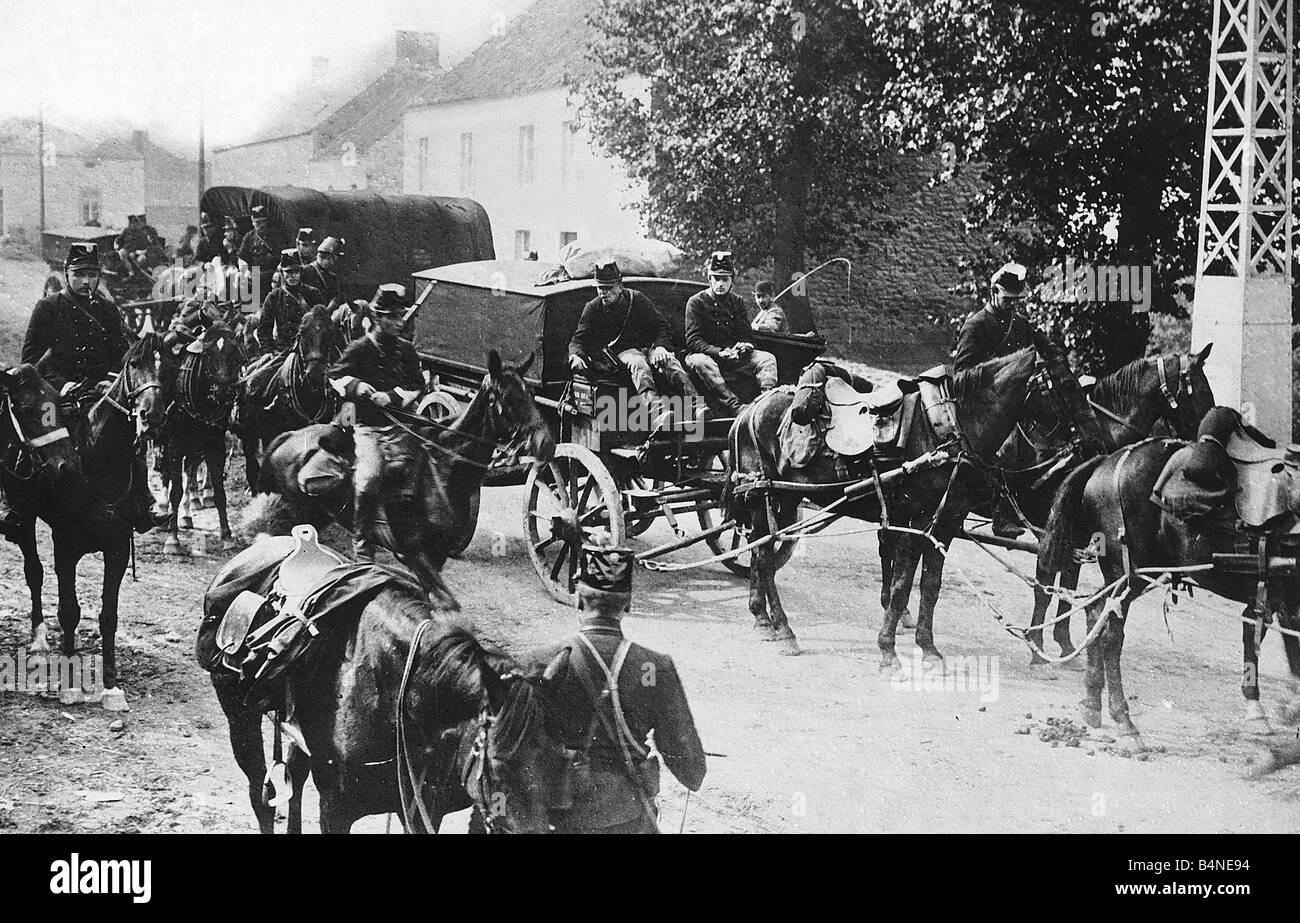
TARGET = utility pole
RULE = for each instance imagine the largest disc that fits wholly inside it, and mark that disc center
(1244, 245)
(202, 158)
(40, 157)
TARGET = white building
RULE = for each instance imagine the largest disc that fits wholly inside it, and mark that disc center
(498, 128)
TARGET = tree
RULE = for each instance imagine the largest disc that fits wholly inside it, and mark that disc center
(750, 124)
(1088, 124)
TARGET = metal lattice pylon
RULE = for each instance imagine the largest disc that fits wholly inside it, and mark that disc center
(1245, 225)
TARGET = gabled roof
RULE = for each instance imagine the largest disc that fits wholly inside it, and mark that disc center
(373, 114)
(20, 136)
(536, 50)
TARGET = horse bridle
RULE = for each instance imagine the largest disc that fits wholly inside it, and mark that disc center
(1170, 395)
(38, 462)
(300, 360)
(187, 396)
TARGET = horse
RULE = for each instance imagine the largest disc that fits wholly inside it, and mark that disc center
(279, 394)
(436, 523)
(1111, 497)
(990, 398)
(197, 420)
(90, 520)
(350, 318)
(403, 710)
(1130, 403)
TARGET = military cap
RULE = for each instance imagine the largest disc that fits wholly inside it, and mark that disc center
(306, 234)
(608, 274)
(390, 300)
(1010, 279)
(721, 263)
(606, 568)
(82, 255)
(331, 245)
(290, 259)
(765, 288)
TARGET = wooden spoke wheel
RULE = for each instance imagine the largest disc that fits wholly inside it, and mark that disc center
(471, 524)
(731, 539)
(568, 500)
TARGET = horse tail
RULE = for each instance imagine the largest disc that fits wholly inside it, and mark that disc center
(1062, 533)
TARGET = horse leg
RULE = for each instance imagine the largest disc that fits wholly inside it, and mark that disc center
(1289, 711)
(251, 443)
(1112, 641)
(246, 743)
(1256, 719)
(931, 583)
(176, 480)
(1094, 678)
(116, 556)
(35, 574)
(216, 460)
(298, 768)
(781, 630)
(337, 814)
(888, 541)
(758, 595)
(65, 570)
(903, 572)
(1043, 603)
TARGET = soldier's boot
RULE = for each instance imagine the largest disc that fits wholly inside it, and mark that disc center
(1006, 523)
(366, 509)
(140, 513)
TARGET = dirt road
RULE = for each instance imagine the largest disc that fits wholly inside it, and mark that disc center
(819, 742)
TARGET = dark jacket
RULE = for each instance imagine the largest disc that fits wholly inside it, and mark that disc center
(984, 336)
(324, 281)
(88, 340)
(207, 250)
(714, 324)
(632, 322)
(262, 252)
(653, 700)
(385, 367)
(282, 313)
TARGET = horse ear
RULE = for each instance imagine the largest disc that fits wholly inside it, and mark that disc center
(1199, 358)
(8, 379)
(523, 368)
(494, 363)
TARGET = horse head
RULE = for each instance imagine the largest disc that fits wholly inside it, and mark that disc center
(36, 423)
(139, 387)
(514, 407)
(1188, 393)
(219, 344)
(317, 342)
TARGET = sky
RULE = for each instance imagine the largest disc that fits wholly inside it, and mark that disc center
(138, 65)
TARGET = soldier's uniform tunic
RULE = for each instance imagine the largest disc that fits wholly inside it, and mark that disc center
(87, 339)
(986, 335)
(282, 313)
(714, 323)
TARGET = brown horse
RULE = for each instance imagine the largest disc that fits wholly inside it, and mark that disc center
(95, 519)
(990, 399)
(1110, 498)
(403, 710)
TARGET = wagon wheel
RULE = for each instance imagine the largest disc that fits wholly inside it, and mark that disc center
(568, 499)
(471, 523)
(730, 539)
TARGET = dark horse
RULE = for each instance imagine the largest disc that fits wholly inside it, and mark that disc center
(476, 732)
(283, 393)
(1129, 403)
(1110, 497)
(437, 521)
(989, 398)
(198, 418)
(94, 519)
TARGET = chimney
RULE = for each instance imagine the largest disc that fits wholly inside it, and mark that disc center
(320, 68)
(417, 49)
(139, 139)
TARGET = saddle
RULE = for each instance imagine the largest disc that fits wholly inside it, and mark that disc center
(852, 429)
(1267, 477)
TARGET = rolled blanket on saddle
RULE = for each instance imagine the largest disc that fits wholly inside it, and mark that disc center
(802, 433)
(1199, 481)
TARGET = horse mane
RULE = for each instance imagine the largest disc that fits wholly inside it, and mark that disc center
(974, 382)
(1122, 387)
(454, 661)
(139, 352)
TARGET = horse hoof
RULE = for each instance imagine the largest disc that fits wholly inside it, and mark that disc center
(1092, 717)
(765, 631)
(114, 699)
(171, 546)
(40, 641)
(1256, 720)
(1132, 742)
(907, 621)
(71, 696)
(890, 664)
(788, 647)
(186, 522)
(932, 660)
(1074, 665)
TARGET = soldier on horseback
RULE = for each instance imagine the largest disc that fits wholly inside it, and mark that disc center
(614, 694)
(306, 244)
(998, 329)
(194, 316)
(322, 273)
(209, 245)
(261, 248)
(283, 308)
(377, 371)
(718, 335)
(83, 336)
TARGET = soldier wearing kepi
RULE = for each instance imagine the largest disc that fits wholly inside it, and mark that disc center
(209, 245)
(614, 694)
(1000, 328)
(379, 370)
(322, 273)
(718, 335)
(621, 326)
(260, 247)
(306, 244)
(85, 340)
(283, 309)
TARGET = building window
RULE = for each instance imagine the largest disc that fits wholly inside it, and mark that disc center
(523, 244)
(567, 237)
(90, 202)
(525, 155)
(467, 163)
(422, 165)
(568, 143)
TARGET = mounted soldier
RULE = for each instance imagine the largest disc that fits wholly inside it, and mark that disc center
(613, 696)
(1000, 328)
(261, 248)
(209, 245)
(194, 316)
(83, 336)
(283, 308)
(377, 371)
(306, 244)
(322, 273)
(622, 327)
(718, 335)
